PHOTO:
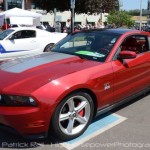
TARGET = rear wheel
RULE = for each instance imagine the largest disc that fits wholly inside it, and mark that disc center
(72, 116)
(48, 47)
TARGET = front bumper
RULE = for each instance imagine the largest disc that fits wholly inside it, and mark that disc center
(30, 122)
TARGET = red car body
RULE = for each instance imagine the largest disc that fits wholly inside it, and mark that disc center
(49, 81)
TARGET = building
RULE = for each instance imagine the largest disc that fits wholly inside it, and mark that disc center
(8, 4)
(62, 17)
(52, 17)
(139, 19)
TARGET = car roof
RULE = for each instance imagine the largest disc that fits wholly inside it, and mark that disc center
(118, 31)
(39, 31)
(24, 28)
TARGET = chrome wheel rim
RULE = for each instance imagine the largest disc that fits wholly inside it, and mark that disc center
(74, 115)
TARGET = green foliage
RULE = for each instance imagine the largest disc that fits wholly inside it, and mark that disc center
(135, 12)
(82, 6)
(120, 19)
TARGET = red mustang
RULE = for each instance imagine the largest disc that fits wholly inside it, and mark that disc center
(85, 73)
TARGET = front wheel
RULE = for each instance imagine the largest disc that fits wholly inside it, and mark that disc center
(72, 116)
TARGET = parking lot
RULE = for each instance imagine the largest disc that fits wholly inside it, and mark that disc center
(132, 133)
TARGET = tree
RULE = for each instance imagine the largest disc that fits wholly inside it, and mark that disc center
(82, 6)
(97, 6)
(135, 12)
(120, 18)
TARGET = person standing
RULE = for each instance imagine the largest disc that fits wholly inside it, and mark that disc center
(100, 24)
(68, 26)
(5, 26)
(48, 27)
(58, 27)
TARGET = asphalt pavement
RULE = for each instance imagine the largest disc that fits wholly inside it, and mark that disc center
(131, 134)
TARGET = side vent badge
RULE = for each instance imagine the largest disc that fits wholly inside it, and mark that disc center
(106, 86)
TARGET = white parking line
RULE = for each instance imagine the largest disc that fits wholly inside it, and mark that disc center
(96, 128)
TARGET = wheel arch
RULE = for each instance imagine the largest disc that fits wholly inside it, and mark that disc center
(52, 44)
(88, 91)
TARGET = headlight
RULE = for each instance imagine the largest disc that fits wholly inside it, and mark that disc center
(6, 100)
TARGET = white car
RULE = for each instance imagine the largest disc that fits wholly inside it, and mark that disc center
(26, 41)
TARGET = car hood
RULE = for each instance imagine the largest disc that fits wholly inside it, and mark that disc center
(27, 74)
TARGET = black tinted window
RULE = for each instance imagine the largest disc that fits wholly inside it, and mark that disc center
(136, 43)
(25, 34)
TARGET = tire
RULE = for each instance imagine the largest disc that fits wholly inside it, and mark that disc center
(72, 116)
(48, 47)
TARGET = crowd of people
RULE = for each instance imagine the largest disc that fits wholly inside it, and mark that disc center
(58, 27)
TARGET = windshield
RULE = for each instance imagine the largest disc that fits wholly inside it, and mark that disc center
(5, 33)
(93, 45)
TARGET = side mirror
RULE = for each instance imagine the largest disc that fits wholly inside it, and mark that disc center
(126, 55)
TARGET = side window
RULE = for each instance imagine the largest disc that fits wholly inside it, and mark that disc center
(136, 43)
(24, 34)
(143, 42)
(28, 34)
(18, 35)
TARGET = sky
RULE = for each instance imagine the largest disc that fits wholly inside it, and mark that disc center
(133, 4)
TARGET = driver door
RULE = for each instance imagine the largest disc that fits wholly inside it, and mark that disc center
(132, 75)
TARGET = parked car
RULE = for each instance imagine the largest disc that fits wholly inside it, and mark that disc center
(147, 29)
(15, 25)
(87, 73)
(21, 41)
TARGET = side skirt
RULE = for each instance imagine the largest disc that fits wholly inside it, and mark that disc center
(111, 107)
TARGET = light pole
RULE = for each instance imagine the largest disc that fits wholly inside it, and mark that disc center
(140, 14)
(5, 5)
(23, 4)
(72, 3)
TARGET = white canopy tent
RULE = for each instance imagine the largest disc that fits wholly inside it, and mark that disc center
(17, 14)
